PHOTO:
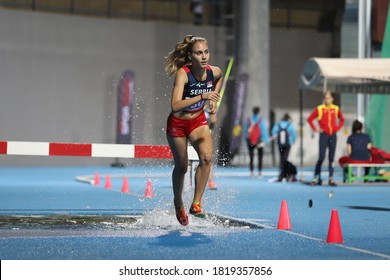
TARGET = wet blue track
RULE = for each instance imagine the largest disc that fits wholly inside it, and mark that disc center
(364, 213)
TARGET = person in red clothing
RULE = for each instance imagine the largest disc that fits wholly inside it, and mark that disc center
(330, 120)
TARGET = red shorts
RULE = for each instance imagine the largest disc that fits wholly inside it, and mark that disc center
(177, 127)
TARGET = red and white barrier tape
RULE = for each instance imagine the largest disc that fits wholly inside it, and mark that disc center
(28, 148)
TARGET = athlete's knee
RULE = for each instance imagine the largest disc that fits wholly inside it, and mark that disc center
(181, 167)
(205, 158)
(321, 157)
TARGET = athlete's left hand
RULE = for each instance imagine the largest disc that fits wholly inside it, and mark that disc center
(213, 108)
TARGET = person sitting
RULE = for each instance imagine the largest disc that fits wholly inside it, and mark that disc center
(359, 146)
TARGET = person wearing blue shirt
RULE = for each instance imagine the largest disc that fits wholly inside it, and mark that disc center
(263, 138)
(284, 133)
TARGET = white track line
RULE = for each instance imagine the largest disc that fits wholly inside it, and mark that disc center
(341, 245)
(89, 179)
(308, 237)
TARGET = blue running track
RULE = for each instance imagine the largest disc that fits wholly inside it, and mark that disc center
(364, 213)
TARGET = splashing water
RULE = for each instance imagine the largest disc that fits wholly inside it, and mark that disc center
(158, 221)
(166, 219)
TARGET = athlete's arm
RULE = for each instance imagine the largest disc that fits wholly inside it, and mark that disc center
(274, 131)
(217, 73)
(341, 120)
(177, 101)
(264, 131)
(311, 119)
(217, 78)
(291, 132)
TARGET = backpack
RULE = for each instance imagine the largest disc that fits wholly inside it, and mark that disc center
(283, 136)
(254, 132)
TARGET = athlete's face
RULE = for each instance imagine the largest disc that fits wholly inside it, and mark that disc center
(328, 99)
(200, 54)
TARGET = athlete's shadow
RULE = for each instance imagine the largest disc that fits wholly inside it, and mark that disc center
(182, 238)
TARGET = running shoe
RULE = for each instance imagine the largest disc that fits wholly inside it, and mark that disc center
(197, 211)
(316, 182)
(332, 183)
(182, 217)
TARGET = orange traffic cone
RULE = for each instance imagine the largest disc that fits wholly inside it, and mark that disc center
(334, 232)
(149, 190)
(284, 222)
(96, 180)
(211, 184)
(125, 185)
(108, 184)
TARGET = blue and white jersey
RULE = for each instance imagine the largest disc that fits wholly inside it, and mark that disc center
(194, 88)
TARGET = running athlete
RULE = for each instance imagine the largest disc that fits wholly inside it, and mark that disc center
(196, 83)
(327, 115)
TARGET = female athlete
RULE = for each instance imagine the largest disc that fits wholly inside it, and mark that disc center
(196, 83)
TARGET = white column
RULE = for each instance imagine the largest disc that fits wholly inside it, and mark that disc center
(254, 51)
(364, 47)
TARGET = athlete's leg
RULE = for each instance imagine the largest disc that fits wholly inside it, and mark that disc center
(332, 151)
(179, 151)
(260, 159)
(251, 150)
(201, 140)
(323, 143)
(281, 158)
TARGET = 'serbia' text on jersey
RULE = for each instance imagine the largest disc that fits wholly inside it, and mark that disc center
(200, 91)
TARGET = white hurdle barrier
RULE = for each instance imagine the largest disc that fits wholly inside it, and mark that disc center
(29, 148)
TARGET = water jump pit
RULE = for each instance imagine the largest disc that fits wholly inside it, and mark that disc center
(151, 223)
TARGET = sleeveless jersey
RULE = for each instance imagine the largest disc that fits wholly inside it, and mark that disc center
(194, 88)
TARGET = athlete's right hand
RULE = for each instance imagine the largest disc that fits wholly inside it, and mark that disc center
(213, 96)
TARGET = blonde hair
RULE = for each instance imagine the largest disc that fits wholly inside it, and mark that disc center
(178, 57)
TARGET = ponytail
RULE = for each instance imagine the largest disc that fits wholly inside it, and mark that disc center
(179, 56)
